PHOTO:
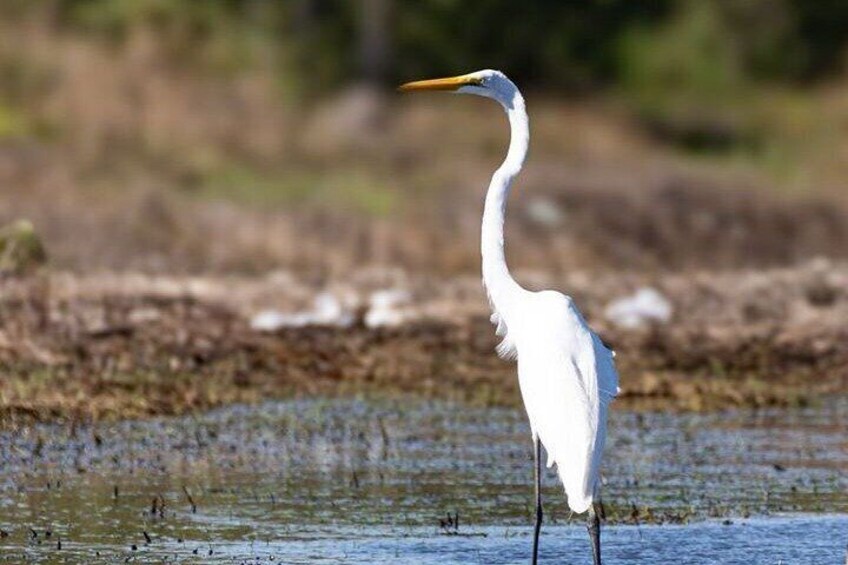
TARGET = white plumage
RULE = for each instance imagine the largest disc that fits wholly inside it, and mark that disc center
(567, 381)
(566, 373)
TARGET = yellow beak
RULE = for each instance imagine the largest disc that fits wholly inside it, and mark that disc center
(450, 83)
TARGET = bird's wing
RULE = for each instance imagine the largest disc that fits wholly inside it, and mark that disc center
(567, 379)
(506, 348)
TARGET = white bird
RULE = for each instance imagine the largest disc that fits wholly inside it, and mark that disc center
(566, 374)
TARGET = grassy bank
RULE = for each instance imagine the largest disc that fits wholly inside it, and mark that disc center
(117, 346)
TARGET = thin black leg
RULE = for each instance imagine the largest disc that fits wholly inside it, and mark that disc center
(594, 526)
(537, 467)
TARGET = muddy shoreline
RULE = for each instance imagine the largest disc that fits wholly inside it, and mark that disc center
(114, 346)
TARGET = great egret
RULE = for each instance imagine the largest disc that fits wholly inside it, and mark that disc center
(566, 374)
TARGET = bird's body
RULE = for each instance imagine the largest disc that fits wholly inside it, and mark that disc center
(566, 374)
(567, 381)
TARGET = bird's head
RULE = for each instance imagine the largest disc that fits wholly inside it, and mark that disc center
(488, 83)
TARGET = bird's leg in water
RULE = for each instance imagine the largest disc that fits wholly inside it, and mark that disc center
(594, 526)
(537, 466)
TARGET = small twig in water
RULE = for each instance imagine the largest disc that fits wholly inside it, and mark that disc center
(190, 500)
(385, 437)
(634, 515)
(450, 524)
(157, 506)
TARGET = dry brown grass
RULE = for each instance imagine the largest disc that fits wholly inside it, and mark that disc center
(126, 159)
(132, 346)
(130, 159)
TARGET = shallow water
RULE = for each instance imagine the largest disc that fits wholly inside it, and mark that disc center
(356, 481)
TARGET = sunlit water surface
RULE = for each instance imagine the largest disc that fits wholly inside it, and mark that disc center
(352, 481)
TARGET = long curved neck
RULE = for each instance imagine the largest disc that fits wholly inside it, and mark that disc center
(496, 276)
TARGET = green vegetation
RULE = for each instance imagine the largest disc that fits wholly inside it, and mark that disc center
(356, 191)
(21, 249)
(12, 123)
(686, 79)
(549, 43)
(670, 58)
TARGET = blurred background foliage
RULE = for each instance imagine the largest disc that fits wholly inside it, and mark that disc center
(566, 45)
(689, 67)
(285, 106)
(683, 64)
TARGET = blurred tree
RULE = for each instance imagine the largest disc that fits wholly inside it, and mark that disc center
(553, 43)
(692, 61)
(565, 44)
(688, 79)
(821, 29)
(374, 39)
